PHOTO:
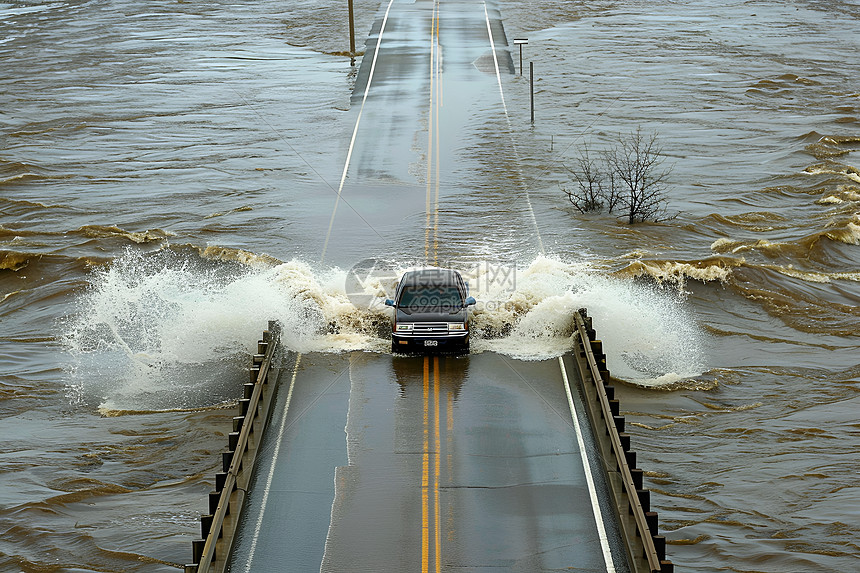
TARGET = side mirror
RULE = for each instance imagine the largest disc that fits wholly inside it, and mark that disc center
(470, 301)
(389, 302)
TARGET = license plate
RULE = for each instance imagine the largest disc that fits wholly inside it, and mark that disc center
(431, 343)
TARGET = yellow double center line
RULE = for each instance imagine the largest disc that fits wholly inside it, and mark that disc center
(431, 540)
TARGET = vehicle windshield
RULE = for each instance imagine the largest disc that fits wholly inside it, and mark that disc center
(427, 298)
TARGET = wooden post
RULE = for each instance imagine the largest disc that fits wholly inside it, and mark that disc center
(351, 34)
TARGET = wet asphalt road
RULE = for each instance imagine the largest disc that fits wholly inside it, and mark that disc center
(422, 463)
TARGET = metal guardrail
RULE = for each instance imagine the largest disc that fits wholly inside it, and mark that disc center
(225, 503)
(619, 460)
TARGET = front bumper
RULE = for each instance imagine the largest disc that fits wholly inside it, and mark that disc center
(452, 342)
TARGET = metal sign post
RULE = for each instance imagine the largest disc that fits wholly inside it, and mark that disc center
(519, 42)
(532, 88)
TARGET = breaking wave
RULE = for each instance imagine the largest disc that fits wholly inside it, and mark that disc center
(846, 231)
(717, 268)
(104, 232)
(833, 168)
(15, 261)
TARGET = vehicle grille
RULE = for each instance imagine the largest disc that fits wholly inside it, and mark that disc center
(430, 328)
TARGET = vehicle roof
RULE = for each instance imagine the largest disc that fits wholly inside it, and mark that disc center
(433, 276)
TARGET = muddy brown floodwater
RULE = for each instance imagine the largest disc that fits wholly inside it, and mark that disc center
(168, 171)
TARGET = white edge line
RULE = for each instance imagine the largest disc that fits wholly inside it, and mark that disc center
(495, 59)
(355, 130)
(510, 129)
(595, 504)
(265, 500)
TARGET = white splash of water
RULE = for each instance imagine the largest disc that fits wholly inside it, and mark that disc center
(649, 335)
(150, 330)
(173, 330)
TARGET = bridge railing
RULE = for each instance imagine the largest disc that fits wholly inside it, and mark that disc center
(619, 459)
(227, 500)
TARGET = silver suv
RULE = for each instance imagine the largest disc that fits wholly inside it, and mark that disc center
(431, 312)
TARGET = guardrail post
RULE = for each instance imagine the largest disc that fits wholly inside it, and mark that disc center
(205, 525)
(652, 519)
(630, 456)
(637, 476)
(197, 549)
(644, 499)
(220, 479)
(660, 546)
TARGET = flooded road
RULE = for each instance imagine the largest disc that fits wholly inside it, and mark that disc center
(450, 463)
(169, 174)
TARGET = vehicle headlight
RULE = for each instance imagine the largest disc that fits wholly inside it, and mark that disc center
(404, 327)
(456, 326)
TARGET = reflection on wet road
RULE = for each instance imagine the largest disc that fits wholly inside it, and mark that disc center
(429, 71)
(446, 463)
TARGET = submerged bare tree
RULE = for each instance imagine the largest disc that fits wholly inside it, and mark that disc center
(590, 193)
(637, 162)
(629, 179)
